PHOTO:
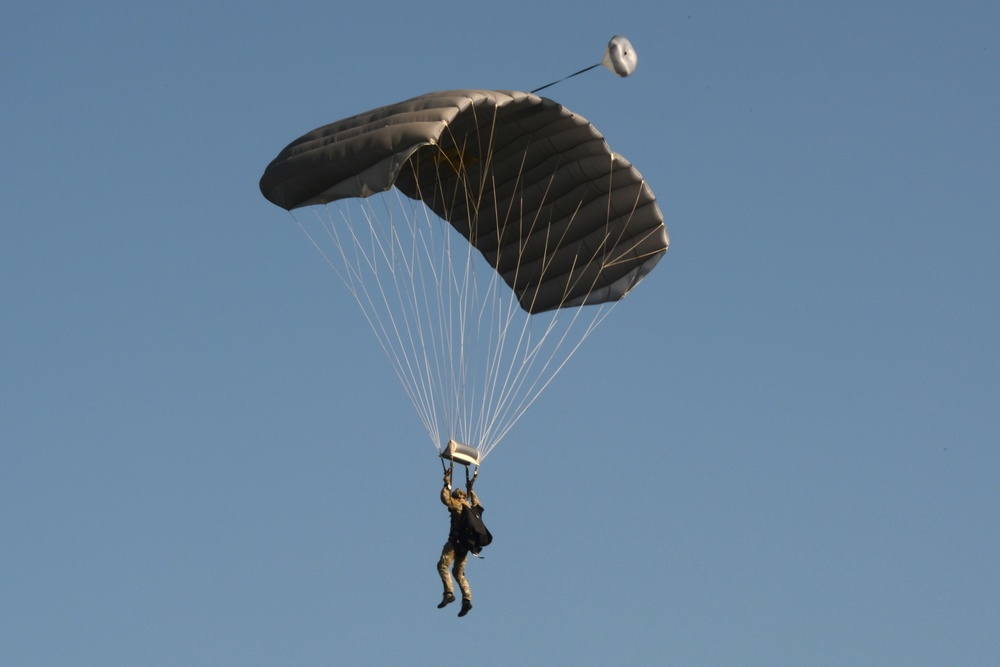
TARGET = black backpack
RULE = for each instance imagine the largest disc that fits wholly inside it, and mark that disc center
(472, 532)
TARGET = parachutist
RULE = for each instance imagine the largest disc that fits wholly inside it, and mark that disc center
(466, 534)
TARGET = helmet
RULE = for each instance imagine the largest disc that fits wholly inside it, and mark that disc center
(458, 494)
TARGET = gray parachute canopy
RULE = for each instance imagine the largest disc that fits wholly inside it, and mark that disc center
(534, 187)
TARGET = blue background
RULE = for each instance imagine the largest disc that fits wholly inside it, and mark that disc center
(781, 449)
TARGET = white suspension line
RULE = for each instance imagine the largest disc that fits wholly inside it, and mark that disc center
(451, 332)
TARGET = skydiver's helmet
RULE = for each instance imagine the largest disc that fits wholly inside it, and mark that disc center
(458, 494)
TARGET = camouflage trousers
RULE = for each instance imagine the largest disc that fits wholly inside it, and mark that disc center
(449, 555)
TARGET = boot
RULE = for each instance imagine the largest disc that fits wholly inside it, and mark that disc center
(449, 597)
(466, 606)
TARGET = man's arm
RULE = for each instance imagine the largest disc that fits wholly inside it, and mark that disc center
(473, 498)
(446, 498)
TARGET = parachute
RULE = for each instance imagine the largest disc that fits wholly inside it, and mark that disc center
(484, 233)
(620, 57)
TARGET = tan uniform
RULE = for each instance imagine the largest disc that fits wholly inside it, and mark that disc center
(452, 552)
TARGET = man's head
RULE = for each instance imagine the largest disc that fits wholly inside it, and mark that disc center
(458, 494)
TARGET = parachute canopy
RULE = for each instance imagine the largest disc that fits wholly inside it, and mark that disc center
(532, 186)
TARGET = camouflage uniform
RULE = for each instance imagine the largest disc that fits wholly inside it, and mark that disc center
(452, 551)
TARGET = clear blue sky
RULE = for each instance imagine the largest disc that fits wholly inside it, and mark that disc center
(782, 449)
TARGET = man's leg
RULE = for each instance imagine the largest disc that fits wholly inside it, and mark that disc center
(463, 583)
(447, 557)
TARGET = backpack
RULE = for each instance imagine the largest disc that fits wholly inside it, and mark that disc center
(472, 532)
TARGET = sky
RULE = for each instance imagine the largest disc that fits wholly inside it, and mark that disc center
(780, 449)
